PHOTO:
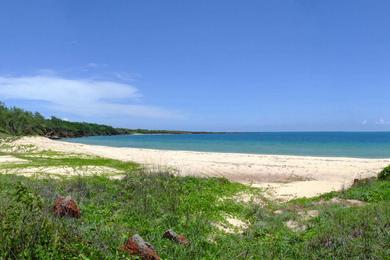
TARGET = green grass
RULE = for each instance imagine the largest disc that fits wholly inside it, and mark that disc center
(148, 203)
(53, 159)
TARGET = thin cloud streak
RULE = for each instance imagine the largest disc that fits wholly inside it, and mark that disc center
(381, 121)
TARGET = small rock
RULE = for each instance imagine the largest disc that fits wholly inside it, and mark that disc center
(348, 202)
(137, 246)
(343, 202)
(278, 212)
(170, 234)
(355, 203)
(320, 202)
(307, 215)
(66, 207)
(295, 226)
(336, 201)
(313, 213)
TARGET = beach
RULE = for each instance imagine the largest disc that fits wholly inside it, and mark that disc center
(284, 177)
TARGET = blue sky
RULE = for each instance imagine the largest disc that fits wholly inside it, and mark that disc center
(200, 65)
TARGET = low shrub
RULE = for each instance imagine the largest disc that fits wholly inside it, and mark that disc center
(384, 175)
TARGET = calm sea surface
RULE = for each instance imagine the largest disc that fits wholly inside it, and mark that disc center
(340, 144)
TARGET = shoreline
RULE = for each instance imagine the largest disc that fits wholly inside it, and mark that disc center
(284, 176)
(220, 152)
(343, 146)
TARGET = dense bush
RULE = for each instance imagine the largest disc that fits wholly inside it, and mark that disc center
(384, 175)
(16, 121)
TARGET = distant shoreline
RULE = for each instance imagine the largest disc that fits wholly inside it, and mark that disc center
(136, 133)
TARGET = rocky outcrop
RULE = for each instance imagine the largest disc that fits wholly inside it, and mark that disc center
(138, 247)
(170, 234)
(66, 207)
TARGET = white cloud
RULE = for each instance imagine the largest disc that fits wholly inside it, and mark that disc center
(82, 97)
(381, 121)
(92, 65)
(126, 76)
(364, 122)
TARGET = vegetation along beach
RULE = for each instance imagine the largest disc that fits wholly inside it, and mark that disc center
(194, 130)
(224, 204)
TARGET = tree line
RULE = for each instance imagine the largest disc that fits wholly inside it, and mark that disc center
(16, 121)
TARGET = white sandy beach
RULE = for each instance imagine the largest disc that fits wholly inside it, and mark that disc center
(284, 176)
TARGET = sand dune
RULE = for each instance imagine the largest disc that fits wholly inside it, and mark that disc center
(285, 176)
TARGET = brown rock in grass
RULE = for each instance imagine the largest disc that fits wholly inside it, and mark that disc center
(343, 202)
(66, 207)
(137, 246)
(170, 234)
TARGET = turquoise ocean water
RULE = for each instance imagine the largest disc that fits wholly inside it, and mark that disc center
(338, 144)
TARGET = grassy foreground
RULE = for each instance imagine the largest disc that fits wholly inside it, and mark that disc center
(148, 203)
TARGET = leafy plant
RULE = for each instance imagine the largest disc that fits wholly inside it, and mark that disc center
(384, 175)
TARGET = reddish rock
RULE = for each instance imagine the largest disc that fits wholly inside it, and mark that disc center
(170, 234)
(66, 207)
(137, 246)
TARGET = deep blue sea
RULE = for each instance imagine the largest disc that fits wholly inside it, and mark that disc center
(339, 144)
